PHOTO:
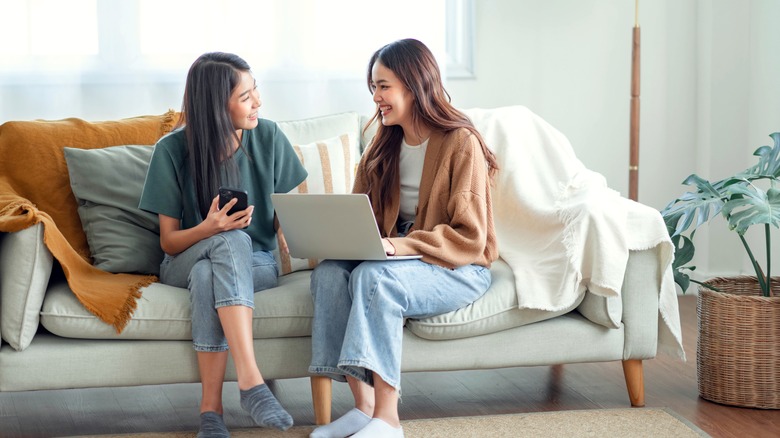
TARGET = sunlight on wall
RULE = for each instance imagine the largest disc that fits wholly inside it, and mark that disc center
(241, 27)
(60, 30)
(81, 57)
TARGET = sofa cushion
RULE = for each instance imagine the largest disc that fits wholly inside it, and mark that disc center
(496, 310)
(606, 311)
(163, 313)
(21, 294)
(107, 184)
(316, 128)
(330, 163)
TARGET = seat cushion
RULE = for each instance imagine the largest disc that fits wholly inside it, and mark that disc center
(496, 310)
(285, 311)
(163, 312)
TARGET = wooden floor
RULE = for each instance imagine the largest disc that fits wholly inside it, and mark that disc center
(669, 383)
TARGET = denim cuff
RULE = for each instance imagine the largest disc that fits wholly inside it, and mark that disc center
(235, 302)
(209, 348)
(334, 373)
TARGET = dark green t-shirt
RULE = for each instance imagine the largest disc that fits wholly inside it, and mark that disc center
(273, 168)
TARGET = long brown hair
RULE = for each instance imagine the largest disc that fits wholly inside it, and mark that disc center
(208, 127)
(415, 66)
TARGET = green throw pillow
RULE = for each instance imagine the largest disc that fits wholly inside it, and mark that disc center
(107, 184)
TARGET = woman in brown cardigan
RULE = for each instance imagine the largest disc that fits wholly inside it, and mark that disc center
(427, 173)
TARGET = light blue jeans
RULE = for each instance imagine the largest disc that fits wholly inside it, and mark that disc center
(360, 308)
(221, 270)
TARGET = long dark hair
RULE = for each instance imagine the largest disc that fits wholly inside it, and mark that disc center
(415, 66)
(207, 125)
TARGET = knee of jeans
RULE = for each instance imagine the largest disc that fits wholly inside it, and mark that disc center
(328, 274)
(236, 240)
(200, 274)
(365, 274)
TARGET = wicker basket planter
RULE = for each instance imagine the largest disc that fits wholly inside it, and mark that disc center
(738, 351)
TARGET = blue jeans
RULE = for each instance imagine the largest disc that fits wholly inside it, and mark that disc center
(360, 307)
(218, 271)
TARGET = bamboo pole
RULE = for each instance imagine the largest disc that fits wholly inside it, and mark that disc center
(633, 166)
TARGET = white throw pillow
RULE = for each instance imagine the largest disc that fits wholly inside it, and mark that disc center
(22, 293)
(316, 128)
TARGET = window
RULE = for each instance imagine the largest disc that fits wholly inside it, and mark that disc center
(280, 37)
(48, 32)
(102, 59)
(460, 38)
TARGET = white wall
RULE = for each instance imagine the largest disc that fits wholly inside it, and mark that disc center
(739, 106)
(709, 90)
(570, 63)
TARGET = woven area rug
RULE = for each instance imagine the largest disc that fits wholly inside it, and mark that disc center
(654, 422)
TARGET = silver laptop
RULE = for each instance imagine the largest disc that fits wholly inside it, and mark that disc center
(330, 226)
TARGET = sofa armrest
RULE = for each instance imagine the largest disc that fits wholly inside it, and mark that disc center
(641, 287)
(26, 265)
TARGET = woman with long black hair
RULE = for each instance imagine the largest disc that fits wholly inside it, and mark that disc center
(222, 258)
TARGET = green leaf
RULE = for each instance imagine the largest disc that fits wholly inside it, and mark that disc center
(683, 254)
(682, 279)
(742, 203)
(683, 251)
(700, 205)
(749, 205)
(768, 162)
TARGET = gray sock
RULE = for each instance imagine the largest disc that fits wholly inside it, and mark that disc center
(261, 404)
(212, 426)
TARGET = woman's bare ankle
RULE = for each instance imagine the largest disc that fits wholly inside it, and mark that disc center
(366, 408)
(392, 420)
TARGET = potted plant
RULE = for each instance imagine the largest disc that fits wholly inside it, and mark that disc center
(738, 350)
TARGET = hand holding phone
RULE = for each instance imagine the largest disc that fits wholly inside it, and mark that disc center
(226, 194)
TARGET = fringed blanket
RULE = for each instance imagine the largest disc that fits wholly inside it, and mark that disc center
(559, 226)
(34, 188)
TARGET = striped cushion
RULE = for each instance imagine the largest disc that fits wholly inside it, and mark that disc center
(331, 165)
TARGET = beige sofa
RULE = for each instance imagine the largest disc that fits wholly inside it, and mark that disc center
(51, 341)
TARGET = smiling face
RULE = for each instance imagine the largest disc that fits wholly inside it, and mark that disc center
(244, 102)
(394, 100)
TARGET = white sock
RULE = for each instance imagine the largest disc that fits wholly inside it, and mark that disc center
(377, 428)
(349, 423)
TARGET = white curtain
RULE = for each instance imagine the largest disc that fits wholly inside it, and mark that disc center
(104, 59)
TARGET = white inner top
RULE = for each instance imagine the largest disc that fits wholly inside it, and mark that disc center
(411, 167)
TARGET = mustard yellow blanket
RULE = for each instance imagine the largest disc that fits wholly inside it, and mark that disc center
(34, 188)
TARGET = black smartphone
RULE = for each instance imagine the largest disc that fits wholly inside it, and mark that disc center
(226, 194)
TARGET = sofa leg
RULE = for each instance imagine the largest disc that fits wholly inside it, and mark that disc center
(321, 394)
(635, 381)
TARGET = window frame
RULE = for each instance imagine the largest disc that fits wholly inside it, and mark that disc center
(460, 39)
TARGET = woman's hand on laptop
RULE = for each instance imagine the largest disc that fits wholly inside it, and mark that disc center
(389, 248)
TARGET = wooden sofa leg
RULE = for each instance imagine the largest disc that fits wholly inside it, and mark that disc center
(635, 381)
(321, 394)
